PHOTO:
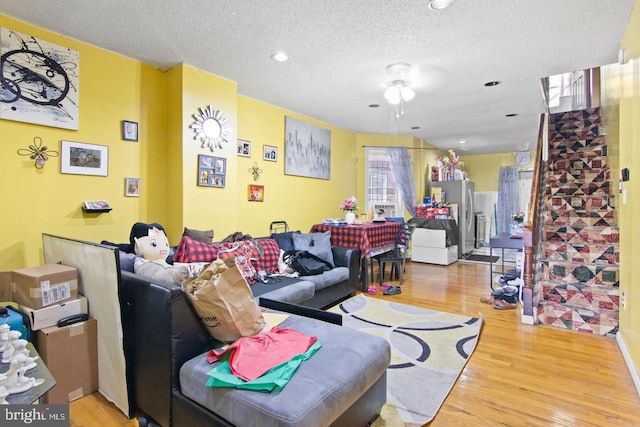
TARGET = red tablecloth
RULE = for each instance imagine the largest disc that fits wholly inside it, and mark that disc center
(368, 237)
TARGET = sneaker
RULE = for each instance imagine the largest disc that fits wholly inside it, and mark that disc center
(393, 290)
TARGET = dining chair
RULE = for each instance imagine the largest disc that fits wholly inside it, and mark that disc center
(397, 256)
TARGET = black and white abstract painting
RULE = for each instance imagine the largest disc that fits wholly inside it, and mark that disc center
(307, 149)
(39, 81)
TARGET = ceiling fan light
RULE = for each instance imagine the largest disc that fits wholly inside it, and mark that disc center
(407, 93)
(440, 4)
(393, 95)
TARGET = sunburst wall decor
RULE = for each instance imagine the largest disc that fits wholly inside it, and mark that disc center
(210, 128)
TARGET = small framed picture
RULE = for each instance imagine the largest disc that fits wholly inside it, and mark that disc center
(211, 171)
(244, 148)
(132, 187)
(256, 193)
(84, 159)
(270, 153)
(129, 130)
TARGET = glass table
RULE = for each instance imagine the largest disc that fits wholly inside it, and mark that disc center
(35, 393)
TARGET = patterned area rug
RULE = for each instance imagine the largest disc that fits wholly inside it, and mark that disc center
(429, 349)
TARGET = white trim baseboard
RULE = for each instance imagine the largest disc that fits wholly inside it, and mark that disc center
(629, 361)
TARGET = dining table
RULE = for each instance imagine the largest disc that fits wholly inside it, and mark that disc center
(371, 238)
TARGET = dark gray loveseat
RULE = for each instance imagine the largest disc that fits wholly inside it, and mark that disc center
(343, 384)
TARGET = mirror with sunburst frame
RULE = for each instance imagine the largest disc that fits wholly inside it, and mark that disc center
(210, 128)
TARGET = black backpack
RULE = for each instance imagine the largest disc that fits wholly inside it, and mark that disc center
(305, 263)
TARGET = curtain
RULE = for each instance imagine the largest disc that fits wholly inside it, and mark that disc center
(402, 170)
(508, 197)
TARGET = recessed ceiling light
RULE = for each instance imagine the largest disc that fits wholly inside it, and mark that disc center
(279, 56)
(374, 105)
(462, 142)
(440, 4)
(511, 115)
(493, 83)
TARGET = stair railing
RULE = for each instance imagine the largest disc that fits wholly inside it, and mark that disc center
(532, 238)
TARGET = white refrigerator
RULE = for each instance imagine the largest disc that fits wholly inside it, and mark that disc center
(461, 194)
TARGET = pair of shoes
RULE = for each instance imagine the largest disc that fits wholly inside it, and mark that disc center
(372, 290)
(488, 300)
(392, 290)
(502, 305)
(385, 286)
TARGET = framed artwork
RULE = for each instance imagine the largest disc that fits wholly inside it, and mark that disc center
(132, 187)
(84, 159)
(307, 149)
(256, 193)
(270, 153)
(244, 148)
(40, 81)
(129, 130)
(211, 171)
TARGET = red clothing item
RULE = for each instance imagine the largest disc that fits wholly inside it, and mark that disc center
(252, 356)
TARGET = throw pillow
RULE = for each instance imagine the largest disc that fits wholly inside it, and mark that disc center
(199, 235)
(244, 252)
(190, 250)
(318, 244)
(159, 270)
(268, 261)
(284, 239)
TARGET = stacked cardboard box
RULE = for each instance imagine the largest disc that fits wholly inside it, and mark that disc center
(71, 355)
(47, 294)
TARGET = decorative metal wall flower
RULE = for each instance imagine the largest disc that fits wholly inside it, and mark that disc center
(255, 171)
(210, 128)
(38, 152)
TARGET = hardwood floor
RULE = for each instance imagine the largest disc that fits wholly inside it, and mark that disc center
(519, 375)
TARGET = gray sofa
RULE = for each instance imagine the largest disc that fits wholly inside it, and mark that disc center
(343, 384)
(316, 291)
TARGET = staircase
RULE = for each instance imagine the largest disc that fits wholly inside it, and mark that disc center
(580, 248)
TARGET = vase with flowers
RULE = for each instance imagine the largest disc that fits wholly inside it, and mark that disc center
(517, 227)
(449, 165)
(350, 206)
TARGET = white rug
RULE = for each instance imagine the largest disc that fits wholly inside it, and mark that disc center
(429, 349)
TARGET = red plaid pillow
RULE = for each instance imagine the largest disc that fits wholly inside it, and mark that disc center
(244, 252)
(190, 250)
(269, 260)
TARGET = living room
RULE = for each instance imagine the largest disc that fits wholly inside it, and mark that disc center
(115, 88)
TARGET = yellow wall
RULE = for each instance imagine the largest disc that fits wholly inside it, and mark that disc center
(112, 88)
(484, 169)
(115, 88)
(627, 212)
(300, 201)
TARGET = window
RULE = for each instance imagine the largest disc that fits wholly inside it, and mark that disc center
(380, 185)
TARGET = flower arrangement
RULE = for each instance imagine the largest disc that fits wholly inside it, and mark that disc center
(517, 216)
(351, 204)
(451, 159)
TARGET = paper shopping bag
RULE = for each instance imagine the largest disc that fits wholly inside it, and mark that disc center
(223, 300)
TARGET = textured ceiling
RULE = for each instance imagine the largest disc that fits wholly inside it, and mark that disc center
(339, 50)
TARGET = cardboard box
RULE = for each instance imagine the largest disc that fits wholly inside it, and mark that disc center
(38, 287)
(49, 316)
(71, 355)
(6, 294)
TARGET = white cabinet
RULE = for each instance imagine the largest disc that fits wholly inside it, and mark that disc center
(430, 246)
